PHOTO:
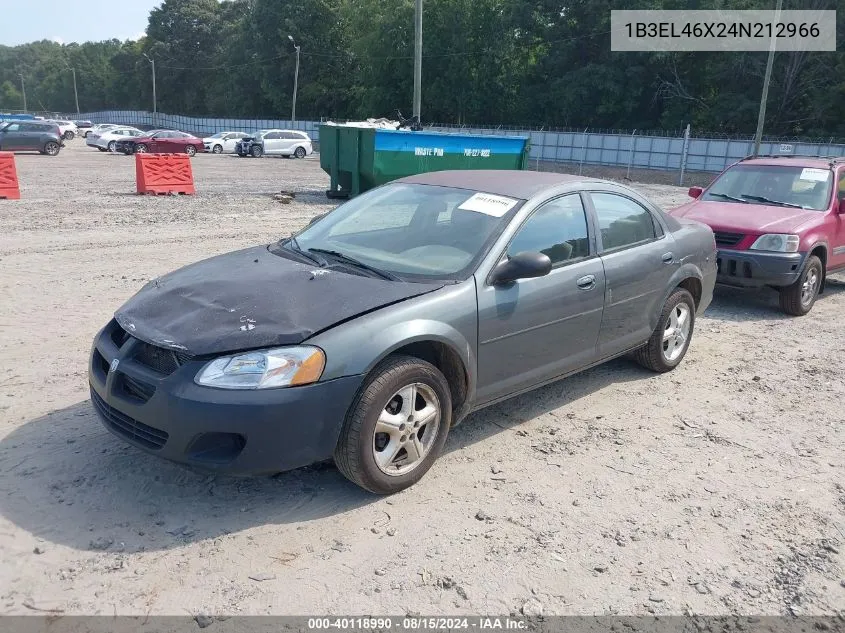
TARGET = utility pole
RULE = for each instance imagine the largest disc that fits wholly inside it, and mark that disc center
(761, 117)
(417, 59)
(75, 93)
(295, 80)
(23, 90)
(155, 104)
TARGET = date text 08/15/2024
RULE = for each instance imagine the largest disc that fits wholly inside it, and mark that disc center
(417, 623)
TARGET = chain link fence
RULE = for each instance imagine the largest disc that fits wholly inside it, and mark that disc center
(678, 151)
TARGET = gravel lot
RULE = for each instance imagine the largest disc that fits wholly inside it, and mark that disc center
(715, 489)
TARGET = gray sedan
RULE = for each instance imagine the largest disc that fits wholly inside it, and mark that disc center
(369, 334)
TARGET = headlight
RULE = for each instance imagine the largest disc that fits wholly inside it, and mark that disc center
(777, 242)
(265, 369)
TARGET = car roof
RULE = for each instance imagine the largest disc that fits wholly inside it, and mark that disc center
(820, 162)
(513, 183)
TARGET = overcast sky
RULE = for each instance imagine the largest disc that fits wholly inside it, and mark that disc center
(72, 20)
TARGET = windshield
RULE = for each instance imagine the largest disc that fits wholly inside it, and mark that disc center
(778, 185)
(412, 231)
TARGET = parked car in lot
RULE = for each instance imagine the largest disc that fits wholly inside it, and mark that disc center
(276, 143)
(163, 142)
(106, 141)
(369, 334)
(223, 142)
(30, 136)
(67, 128)
(779, 222)
(84, 127)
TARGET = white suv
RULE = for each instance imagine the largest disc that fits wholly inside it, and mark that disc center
(68, 129)
(287, 143)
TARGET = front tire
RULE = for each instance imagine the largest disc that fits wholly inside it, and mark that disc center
(396, 427)
(190, 150)
(257, 152)
(111, 146)
(69, 135)
(799, 298)
(217, 149)
(140, 149)
(671, 338)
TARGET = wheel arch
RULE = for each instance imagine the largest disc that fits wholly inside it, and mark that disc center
(689, 278)
(820, 251)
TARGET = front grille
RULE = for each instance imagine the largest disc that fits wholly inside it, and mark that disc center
(100, 364)
(163, 361)
(724, 238)
(129, 428)
(118, 335)
(137, 389)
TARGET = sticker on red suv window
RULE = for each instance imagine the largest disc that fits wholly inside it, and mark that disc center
(817, 175)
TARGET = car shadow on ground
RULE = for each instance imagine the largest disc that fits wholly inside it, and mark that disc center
(737, 304)
(65, 479)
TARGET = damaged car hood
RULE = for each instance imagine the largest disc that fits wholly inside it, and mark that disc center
(250, 299)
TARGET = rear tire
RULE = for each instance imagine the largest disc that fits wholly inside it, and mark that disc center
(300, 152)
(671, 338)
(385, 445)
(190, 150)
(799, 298)
(51, 148)
(69, 135)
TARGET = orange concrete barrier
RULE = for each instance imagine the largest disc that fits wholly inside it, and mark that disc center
(164, 173)
(9, 187)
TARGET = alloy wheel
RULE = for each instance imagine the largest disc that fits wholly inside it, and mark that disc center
(676, 333)
(406, 429)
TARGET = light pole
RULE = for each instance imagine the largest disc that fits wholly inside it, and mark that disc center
(23, 90)
(295, 80)
(155, 104)
(761, 117)
(417, 59)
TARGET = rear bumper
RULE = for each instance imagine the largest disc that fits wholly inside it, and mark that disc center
(753, 269)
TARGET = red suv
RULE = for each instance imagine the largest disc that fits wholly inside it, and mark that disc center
(779, 221)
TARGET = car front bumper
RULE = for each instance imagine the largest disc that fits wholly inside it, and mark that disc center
(241, 432)
(754, 269)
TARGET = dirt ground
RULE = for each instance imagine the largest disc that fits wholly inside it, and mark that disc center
(715, 489)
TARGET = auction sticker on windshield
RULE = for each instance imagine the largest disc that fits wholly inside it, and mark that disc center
(488, 204)
(818, 175)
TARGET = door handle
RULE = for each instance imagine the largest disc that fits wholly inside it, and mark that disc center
(668, 258)
(587, 282)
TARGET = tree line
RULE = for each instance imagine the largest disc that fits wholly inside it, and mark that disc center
(526, 62)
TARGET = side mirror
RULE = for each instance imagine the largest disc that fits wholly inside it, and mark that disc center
(315, 218)
(521, 266)
(695, 192)
(842, 206)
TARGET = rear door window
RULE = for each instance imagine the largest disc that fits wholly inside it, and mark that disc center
(622, 221)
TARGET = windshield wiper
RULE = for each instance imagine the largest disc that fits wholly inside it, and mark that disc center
(765, 200)
(728, 197)
(292, 245)
(357, 263)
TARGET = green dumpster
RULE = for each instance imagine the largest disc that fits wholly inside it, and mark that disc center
(358, 159)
